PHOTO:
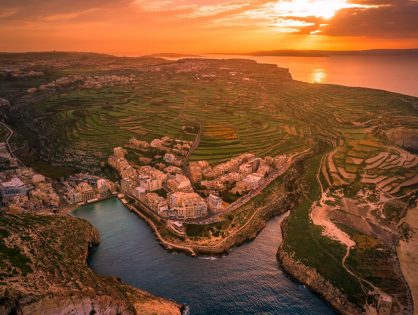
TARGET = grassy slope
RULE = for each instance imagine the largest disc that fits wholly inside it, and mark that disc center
(304, 240)
(264, 116)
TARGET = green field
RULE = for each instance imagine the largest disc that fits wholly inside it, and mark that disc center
(259, 110)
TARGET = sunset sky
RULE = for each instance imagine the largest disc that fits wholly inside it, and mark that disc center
(200, 26)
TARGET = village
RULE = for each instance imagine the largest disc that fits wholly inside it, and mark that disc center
(22, 189)
(85, 82)
(155, 179)
(166, 190)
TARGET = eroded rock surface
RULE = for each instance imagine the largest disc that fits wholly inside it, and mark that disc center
(43, 270)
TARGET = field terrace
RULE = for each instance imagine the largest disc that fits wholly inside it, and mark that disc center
(363, 181)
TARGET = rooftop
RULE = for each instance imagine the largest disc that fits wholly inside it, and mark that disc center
(14, 182)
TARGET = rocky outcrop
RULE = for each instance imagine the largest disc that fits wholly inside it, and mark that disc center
(250, 232)
(44, 271)
(403, 137)
(312, 279)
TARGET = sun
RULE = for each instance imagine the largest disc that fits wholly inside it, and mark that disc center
(325, 9)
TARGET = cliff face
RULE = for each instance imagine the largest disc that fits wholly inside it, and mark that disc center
(43, 270)
(317, 283)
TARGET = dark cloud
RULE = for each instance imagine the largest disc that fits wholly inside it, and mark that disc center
(397, 18)
(390, 19)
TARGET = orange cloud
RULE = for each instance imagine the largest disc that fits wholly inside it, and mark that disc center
(142, 26)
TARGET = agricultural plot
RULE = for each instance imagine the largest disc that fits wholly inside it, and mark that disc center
(357, 185)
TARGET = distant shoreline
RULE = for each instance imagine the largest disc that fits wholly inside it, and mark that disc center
(260, 53)
(327, 53)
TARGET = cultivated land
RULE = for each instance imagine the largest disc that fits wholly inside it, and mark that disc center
(348, 197)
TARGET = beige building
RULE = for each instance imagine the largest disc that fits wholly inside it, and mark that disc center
(195, 172)
(188, 205)
(119, 152)
(151, 184)
(126, 186)
(249, 182)
(180, 183)
(86, 191)
(74, 197)
(214, 203)
(157, 203)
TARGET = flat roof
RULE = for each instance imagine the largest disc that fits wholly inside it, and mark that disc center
(14, 182)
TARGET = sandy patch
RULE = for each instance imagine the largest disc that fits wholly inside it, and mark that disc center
(320, 216)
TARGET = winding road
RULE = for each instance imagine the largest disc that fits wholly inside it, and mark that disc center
(9, 148)
(376, 290)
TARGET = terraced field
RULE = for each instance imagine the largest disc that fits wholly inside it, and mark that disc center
(234, 116)
(357, 185)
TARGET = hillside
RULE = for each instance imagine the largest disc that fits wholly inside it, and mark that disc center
(358, 183)
(43, 270)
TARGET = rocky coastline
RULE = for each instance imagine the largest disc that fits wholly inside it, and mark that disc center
(249, 233)
(314, 281)
(45, 271)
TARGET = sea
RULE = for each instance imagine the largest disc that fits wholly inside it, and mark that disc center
(246, 281)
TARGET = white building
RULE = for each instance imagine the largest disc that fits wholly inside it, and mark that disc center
(156, 143)
(139, 192)
(101, 184)
(214, 203)
(187, 205)
(119, 152)
(12, 188)
(246, 168)
(102, 188)
(157, 203)
(252, 181)
(86, 191)
(169, 158)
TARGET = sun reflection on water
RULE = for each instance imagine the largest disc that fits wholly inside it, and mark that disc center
(318, 75)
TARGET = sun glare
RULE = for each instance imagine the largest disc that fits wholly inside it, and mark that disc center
(318, 75)
(318, 8)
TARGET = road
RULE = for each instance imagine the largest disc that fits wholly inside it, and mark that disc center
(243, 200)
(248, 197)
(158, 235)
(194, 146)
(361, 280)
(258, 211)
(191, 249)
(9, 148)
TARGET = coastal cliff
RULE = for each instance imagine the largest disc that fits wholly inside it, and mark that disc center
(43, 269)
(280, 197)
(312, 279)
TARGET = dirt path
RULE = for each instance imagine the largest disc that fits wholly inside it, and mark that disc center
(319, 216)
(408, 256)
(9, 148)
